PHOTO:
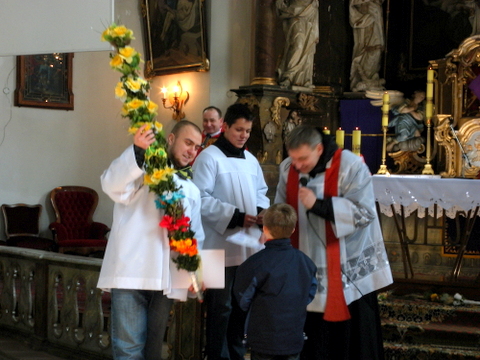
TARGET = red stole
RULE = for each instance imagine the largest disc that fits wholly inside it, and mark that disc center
(293, 183)
(336, 308)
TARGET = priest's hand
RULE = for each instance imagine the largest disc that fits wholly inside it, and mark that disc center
(307, 197)
(143, 138)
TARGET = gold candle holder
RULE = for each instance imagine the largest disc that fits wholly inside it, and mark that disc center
(427, 169)
(385, 109)
(383, 168)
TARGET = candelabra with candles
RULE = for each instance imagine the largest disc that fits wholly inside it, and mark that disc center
(427, 169)
(385, 108)
(177, 100)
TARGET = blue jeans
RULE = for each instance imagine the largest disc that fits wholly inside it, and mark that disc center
(225, 322)
(138, 322)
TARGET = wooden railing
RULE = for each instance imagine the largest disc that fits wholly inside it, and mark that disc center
(53, 299)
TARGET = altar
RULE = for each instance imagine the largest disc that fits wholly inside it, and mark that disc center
(438, 206)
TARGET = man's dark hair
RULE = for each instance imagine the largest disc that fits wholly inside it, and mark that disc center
(303, 135)
(237, 111)
(219, 112)
(181, 124)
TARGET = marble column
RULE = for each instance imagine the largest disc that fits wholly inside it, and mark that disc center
(265, 20)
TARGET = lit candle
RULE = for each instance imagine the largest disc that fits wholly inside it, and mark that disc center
(326, 130)
(429, 95)
(176, 89)
(356, 141)
(385, 108)
(430, 74)
(340, 138)
(164, 92)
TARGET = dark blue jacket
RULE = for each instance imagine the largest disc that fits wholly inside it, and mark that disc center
(275, 285)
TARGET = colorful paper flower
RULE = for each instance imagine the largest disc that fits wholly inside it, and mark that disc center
(132, 90)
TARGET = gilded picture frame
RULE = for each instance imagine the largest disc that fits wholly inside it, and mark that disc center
(45, 81)
(174, 36)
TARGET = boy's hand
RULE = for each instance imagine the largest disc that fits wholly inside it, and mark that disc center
(260, 217)
(249, 220)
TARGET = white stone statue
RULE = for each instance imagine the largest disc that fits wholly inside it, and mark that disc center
(300, 25)
(366, 20)
(474, 17)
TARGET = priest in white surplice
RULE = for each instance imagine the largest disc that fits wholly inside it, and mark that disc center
(339, 230)
(233, 192)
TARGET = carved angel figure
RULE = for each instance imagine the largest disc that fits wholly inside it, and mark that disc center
(408, 119)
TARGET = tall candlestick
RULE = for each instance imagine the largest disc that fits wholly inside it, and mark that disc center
(427, 169)
(356, 141)
(429, 94)
(385, 108)
(340, 138)
(326, 130)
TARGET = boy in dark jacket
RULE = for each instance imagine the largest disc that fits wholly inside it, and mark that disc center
(275, 286)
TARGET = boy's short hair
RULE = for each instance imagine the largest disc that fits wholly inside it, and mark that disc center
(280, 219)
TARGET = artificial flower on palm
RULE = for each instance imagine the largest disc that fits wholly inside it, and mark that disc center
(133, 90)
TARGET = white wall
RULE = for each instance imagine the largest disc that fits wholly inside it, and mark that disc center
(41, 149)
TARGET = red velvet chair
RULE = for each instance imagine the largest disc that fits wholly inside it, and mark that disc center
(22, 227)
(74, 229)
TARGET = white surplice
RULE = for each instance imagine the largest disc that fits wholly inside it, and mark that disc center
(227, 183)
(138, 253)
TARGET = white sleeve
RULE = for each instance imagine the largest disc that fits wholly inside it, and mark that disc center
(123, 178)
(281, 194)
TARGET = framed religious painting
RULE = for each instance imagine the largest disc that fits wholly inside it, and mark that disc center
(45, 81)
(174, 36)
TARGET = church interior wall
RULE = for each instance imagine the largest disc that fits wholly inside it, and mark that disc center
(43, 148)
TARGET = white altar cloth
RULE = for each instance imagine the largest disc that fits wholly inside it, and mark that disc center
(420, 193)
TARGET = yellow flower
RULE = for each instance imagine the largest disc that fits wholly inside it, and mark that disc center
(147, 180)
(124, 110)
(152, 109)
(127, 53)
(120, 31)
(120, 92)
(133, 129)
(162, 174)
(105, 33)
(158, 125)
(135, 104)
(116, 62)
(133, 85)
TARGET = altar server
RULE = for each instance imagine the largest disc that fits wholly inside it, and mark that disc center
(136, 265)
(233, 192)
